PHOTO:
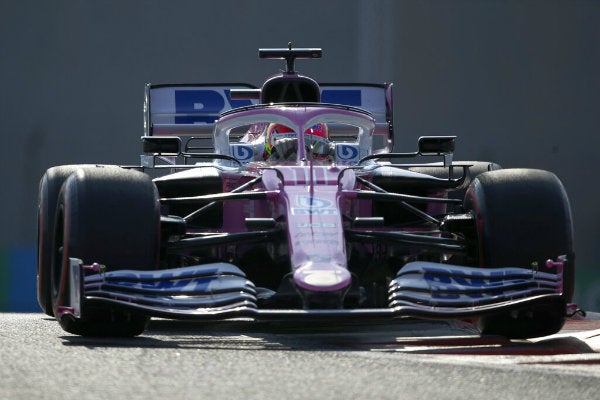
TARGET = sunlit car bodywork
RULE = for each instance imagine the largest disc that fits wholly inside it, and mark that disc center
(208, 227)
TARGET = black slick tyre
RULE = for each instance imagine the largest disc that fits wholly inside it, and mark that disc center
(49, 188)
(523, 218)
(110, 216)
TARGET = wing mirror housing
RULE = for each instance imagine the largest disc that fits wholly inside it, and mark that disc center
(161, 145)
(438, 146)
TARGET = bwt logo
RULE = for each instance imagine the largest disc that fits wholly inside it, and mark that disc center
(308, 205)
(188, 285)
(205, 105)
(346, 152)
(312, 202)
(242, 152)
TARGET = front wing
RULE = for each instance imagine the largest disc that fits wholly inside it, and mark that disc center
(221, 291)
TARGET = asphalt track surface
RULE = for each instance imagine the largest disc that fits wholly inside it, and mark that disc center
(240, 360)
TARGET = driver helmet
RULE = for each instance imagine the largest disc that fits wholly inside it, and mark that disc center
(317, 136)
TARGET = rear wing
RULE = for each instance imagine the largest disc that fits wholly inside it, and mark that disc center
(192, 109)
(188, 109)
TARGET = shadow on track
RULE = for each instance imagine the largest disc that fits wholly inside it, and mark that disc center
(404, 336)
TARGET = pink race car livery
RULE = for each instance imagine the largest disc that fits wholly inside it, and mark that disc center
(287, 202)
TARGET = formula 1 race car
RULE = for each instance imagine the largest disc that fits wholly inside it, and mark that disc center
(286, 202)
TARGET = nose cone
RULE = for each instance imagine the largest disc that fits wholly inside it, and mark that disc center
(322, 277)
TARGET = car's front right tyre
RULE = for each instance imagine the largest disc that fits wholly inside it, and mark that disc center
(110, 216)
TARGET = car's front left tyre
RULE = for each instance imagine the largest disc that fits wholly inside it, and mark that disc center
(523, 218)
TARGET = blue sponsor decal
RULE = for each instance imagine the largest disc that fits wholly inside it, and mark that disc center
(312, 202)
(309, 205)
(179, 273)
(454, 284)
(242, 153)
(347, 97)
(346, 152)
(205, 104)
(484, 279)
(190, 285)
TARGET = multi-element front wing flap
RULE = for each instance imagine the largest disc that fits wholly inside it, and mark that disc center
(432, 290)
(221, 290)
(217, 289)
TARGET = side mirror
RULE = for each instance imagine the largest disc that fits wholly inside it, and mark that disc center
(162, 145)
(438, 146)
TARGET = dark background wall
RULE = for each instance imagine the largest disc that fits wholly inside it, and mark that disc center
(518, 81)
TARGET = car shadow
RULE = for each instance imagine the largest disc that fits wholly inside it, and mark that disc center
(253, 335)
(404, 336)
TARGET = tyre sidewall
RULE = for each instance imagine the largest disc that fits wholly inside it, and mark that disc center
(49, 189)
